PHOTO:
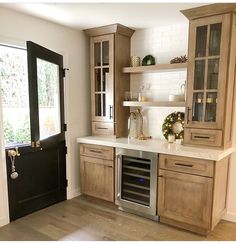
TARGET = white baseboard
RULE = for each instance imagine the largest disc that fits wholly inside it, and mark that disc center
(4, 221)
(230, 216)
(73, 193)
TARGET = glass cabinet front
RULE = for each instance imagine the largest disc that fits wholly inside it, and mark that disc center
(102, 80)
(206, 73)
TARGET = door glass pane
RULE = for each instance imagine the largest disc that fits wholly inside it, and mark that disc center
(199, 74)
(14, 95)
(215, 36)
(98, 79)
(211, 103)
(201, 40)
(197, 108)
(213, 71)
(97, 54)
(48, 98)
(135, 182)
(98, 105)
(105, 53)
(105, 79)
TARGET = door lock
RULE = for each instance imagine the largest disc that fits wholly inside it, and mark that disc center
(13, 153)
(35, 144)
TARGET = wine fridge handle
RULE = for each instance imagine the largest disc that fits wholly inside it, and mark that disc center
(118, 181)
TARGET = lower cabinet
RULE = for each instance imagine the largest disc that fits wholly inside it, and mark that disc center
(190, 201)
(97, 174)
(185, 198)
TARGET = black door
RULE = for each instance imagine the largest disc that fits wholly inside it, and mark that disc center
(39, 176)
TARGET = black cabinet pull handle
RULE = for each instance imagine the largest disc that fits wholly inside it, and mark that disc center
(185, 165)
(201, 137)
(95, 151)
(188, 111)
(102, 128)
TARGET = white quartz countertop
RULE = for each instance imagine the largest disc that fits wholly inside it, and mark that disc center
(158, 146)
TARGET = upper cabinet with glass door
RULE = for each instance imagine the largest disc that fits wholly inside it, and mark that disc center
(109, 53)
(102, 78)
(210, 76)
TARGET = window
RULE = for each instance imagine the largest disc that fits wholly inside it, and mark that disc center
(14, 95)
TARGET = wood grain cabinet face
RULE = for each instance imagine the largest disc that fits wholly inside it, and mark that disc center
(97, 178)
(185, 198)
(210, 80)
(109, 53)
(186, 165)
(97, 171)
(192, 192)
(97, 151)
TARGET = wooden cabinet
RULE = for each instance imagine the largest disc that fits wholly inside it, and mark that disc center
(191, 192)
(109, 53)
(187, 165)
(97, 171)
(211, 75)
(185, 198)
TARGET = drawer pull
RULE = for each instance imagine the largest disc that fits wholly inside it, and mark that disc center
(185, 165)
(95, 151)
(201, 137)
(102, 128)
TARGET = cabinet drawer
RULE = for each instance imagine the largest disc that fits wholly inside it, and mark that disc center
(187, 165)
(97, 151)
(203, 137)
(103, 128)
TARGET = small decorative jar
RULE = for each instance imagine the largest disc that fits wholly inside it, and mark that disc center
(171, 138)
(135, 61)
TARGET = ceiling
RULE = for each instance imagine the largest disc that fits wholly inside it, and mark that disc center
(88, 15)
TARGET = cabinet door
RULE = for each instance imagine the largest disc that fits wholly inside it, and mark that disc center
(185, 198)
(207, 71)
(97, 178)
(102, 77)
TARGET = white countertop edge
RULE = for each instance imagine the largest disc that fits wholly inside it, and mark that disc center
(158, 146)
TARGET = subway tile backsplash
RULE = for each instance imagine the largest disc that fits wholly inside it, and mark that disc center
(164, 43)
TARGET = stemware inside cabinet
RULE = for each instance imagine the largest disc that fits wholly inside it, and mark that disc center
(210, 77)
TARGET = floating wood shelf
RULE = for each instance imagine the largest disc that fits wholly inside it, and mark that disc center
(156, 68)
(155, 103)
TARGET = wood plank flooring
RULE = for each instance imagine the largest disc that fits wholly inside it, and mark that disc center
(83, 219)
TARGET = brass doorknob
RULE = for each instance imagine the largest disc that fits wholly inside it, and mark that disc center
(13, 152)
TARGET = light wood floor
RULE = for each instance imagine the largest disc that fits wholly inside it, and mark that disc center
(82, 219)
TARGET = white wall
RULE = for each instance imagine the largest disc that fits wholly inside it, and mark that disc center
(16, 28)
(165, 43)
(4, 217)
